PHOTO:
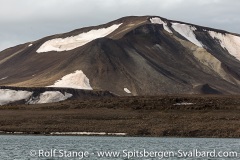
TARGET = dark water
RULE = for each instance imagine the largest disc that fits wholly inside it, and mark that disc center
(120, 148)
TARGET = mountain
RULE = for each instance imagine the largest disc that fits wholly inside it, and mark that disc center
(146, 55)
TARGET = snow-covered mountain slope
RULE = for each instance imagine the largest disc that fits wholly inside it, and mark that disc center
(157, 20)
(187, 31)
(228, 41)
(76, 80)
(147, 55)
(70, 43)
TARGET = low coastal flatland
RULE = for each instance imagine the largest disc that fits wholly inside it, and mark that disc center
(160, 116)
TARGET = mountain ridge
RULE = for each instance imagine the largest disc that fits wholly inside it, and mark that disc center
(120, 19)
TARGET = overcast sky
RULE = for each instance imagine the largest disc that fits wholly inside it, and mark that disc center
(28, 20)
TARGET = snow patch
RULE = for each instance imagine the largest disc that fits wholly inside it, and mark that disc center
(118, 134)
(88, 133)
(3, 78)
(157, 20)
(127, 90)
(187, 32)
(18, 132)
(76, 80)
(30, 45)
(70, 43)
(50, 97)
(78, 133)
(9, 96)
(229, 42)
(183, 104)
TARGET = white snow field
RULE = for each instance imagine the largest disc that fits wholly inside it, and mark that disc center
(158, 20)
(9, 96)
(228, 41)
(70, 43)
(77, 80)
(187, 32)
(50, 97)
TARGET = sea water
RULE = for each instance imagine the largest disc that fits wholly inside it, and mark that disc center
(115, 148)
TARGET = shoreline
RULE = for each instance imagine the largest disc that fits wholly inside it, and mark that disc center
(65, 134)
(106, 135)
(194, 116)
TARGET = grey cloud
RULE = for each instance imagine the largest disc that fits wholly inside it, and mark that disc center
(29, 20)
